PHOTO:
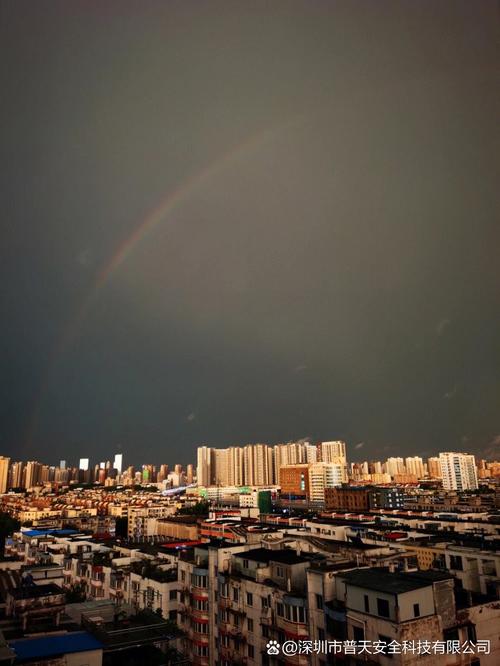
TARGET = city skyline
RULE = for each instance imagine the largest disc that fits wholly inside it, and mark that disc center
(283, 466)
(353, 453)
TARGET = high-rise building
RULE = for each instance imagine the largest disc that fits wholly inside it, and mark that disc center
(118, 462)
(459, 471)
(84, 464)
(33, 474)
(415, 465)
(62, 464)
(162, 473)
(434, 467)
(375, 467)
(205, 465)
(331, 450)
(190, 474)
(395, 466)
(4, 473)
(221, 467)
(258, 465)
(324, 475)
(311, 452)
(16, 475)
(235, 466)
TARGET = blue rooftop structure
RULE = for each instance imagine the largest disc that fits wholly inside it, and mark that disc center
(46, 532)
(27, 649)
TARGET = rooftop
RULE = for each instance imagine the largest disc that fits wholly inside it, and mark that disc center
(266, 555)
(35, 591)
(27, 649)
(392, 583)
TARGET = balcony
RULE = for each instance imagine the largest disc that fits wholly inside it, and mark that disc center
(293, 629)
(237, 632)
(230, 654)
(35, 601)
(96, 582)
(195, 613)
(198, 636)
(200, 661)
(225, 602)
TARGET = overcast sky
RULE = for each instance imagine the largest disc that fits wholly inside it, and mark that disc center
(324, 260)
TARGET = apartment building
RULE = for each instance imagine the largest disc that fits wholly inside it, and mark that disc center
(142, 520)
(392, 608)
(324, 475)
(347, 498)
(459, 471)
(294, 480)
(476, 570)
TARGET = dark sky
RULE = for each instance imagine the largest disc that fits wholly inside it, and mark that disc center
(334, 272)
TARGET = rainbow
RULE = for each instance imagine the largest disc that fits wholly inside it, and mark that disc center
(153, 219)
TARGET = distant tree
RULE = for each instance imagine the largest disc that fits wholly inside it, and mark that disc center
(76, 594)
(8, 525)
(199, 509)
(121, 527)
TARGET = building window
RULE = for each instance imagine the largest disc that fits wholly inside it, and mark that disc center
(236, 595)
(451, 634)
(416, 610)
(264, 602)
(385, 649)
(280, 572)
(265, 631)
(280, 610)
(249, 599)
(358, 633)
(367, 603)
(183, 575)
(173, 595)
(295, 613)
(471, 633)
(199, 581)
(251, 651)
(200, 627)
(250, 624)
(245, 564)
(319, 601)
(382, 607)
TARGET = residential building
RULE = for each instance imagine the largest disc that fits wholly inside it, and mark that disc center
(348, 498)
(459, 471)
(324, 475)
(294, 480)
(4, 474)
